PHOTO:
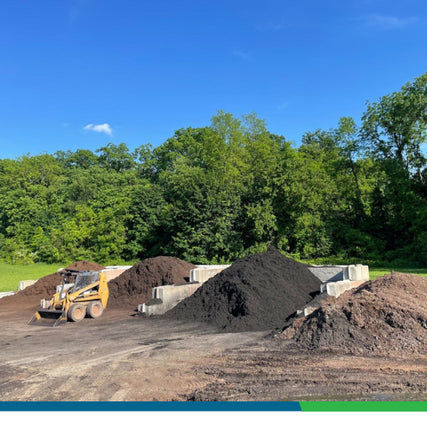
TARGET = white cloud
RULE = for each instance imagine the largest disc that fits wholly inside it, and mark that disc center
(389, 22)
(104, 128)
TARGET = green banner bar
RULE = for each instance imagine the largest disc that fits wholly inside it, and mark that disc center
(413, 406)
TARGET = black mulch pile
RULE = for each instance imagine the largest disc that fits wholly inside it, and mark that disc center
(255, 293)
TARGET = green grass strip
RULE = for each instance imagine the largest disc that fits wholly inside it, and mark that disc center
(11, 275)
(411, 406)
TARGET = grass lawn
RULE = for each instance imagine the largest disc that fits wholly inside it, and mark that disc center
(377, 272)
(11, 275)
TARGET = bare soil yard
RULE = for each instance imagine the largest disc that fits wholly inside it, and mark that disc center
(123, 357)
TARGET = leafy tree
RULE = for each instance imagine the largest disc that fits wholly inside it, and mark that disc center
(84, 159)
(347, 137)
(396, 125)
(116, 157)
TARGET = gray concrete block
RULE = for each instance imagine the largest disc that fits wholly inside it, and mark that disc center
(314, 304)
(336, 273)
(309, 310)
(25, 283)
(335, 289)
(353, 272)
(358, 272)
(118, 267)
(172, 293)
(114, 271)
(365, 273)
(204, 272)
(6, 294)
(167, 297)
(332, 289)
(329, 273)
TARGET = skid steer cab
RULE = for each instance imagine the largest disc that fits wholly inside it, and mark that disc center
(81, 294)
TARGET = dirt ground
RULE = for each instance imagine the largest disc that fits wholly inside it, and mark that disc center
(125, 357)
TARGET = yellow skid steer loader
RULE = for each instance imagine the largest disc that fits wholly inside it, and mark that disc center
(81, 293)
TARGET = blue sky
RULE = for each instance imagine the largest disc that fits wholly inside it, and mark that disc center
(83, 73)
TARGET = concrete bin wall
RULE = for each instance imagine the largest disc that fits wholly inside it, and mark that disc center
(115, 271)
(6, 294)
(175, 293)
(164, 298)
(339, 273)
(330, 273)
(25, 283)
(204, 272)
(335, 289)
(358, 272)
(167, 297)
(337, 279)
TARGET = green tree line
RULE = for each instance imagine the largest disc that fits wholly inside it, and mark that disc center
(217, 193)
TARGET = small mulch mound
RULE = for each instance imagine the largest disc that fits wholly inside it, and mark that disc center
(134, 286)
(257, 292)
(385, 316)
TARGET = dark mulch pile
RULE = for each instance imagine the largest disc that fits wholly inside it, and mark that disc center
(45, 287)
(134, 286)
(384, 316)
(257, 292)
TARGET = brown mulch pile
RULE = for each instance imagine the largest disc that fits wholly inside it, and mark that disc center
(385, 316)
(257, 292)
(134, 286)
(45, 287)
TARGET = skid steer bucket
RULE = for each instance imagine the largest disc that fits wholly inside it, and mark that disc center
(46, 317)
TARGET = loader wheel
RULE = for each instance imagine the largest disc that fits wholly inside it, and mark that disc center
(94, 309)
(77, 312)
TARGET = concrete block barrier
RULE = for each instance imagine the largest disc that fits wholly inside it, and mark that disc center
(354, 272)
(25, 283)
(336, 273)
(114, 271)
(6, 294)
(204, 272)
(167, 297)
(175, 293)
(329, 273)
(358, 272)
(365, 273)
(335, 289)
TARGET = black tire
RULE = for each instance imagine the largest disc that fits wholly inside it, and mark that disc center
(77, 312)
(94, 309)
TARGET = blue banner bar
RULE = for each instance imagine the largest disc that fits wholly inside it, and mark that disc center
(149, 406)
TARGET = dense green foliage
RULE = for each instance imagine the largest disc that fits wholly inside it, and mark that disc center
(217, 193)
